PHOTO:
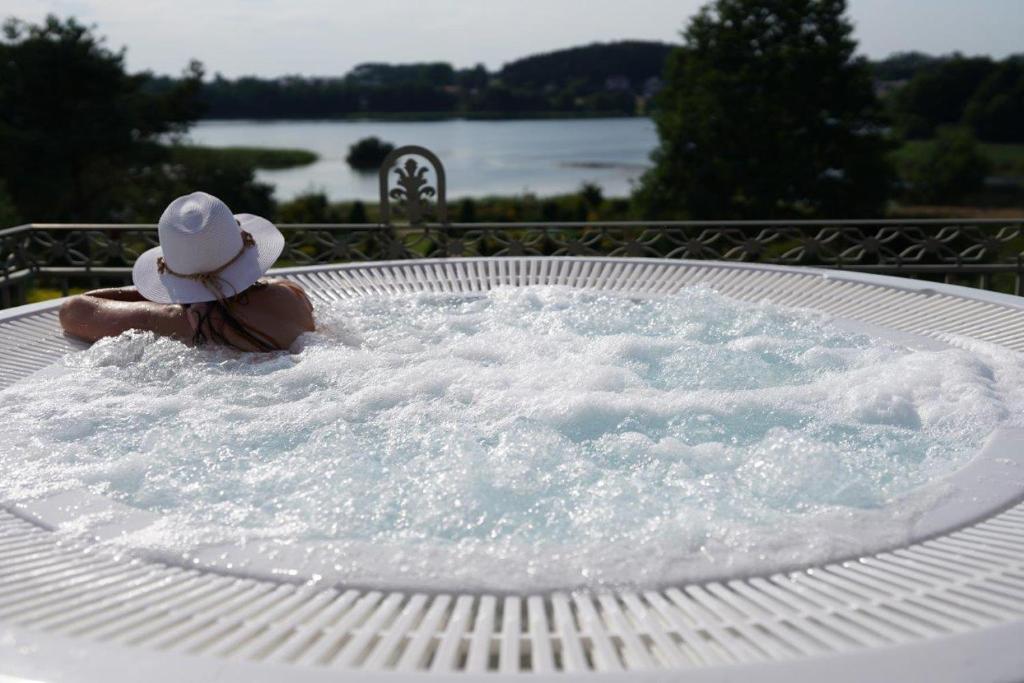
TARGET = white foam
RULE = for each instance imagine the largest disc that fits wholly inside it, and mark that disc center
(526, 438)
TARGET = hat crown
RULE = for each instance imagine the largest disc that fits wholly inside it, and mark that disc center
(198, 233)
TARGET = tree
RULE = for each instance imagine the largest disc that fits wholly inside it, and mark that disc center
(996, 109)
(500, 98)
(8, 214)
(311, 207)
(592, 195)
(424, 73)
(902, 66)
(368, 154)
(473, 79)
(767, 113)
(357, 213)
(467, 211)
(952, 168)
(75, 129)
(938, 95)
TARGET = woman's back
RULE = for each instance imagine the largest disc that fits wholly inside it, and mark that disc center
(266, 317)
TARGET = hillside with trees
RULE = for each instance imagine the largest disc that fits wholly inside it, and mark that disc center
(602, 78)
(627, 64)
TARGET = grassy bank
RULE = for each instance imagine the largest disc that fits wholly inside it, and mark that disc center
(255, 157)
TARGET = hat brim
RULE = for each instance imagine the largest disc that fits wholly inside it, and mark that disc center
(251, 266)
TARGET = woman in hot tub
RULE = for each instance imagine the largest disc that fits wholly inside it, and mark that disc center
(203, 284)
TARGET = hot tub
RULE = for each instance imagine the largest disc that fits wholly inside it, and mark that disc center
(948, 604)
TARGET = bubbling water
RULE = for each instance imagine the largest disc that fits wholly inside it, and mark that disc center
(522, 438)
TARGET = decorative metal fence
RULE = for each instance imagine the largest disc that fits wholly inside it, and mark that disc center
(983, 253)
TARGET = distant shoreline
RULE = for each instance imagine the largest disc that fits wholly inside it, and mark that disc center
(429, 116)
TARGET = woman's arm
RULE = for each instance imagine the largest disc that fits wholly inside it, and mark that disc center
(116, 294)
(109, 312)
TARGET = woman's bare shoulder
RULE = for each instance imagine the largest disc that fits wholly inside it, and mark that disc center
(288, 298)
(286, 289)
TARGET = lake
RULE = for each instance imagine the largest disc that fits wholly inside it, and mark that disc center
(544, 157)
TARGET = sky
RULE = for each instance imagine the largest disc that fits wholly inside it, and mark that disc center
(329, 37)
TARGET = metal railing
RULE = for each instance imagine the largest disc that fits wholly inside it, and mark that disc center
(982, 253)
(986, 253)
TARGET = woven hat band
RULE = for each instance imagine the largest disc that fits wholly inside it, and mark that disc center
(212, 279)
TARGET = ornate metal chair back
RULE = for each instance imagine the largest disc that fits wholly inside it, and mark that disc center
(411, 196)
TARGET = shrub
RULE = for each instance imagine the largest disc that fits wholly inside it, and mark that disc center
(357, 213)
(8, 214)
(368, 154)
(952, 168)
(311, 207)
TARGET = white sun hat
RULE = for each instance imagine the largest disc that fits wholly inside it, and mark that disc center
(205, 253)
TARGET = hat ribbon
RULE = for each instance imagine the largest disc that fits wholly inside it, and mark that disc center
(211, 279)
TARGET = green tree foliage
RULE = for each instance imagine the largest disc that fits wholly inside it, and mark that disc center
(474, 78)
(610, 101)
(978, 92)
(308, 208)
(368, 154)
(767, 113)
(501, 98)
(377, 75)
(938, 95)
(952, 169)
(902, 66)
(996, 109)
(74, 127)
(300, 97)
(314, 208)
(592, 65)
(8, 213)
(357, 213)
(927, 92)
(588, 204)
(467, 211)
(260, 98)
(592, 195)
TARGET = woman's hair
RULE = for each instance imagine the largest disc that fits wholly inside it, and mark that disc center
(215, 317)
